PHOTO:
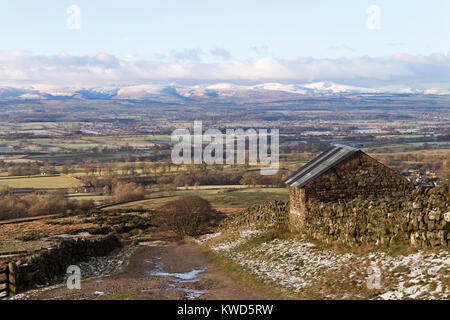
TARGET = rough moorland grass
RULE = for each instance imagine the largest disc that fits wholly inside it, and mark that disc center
(246, 197)
(245, 277)
(393, 250)
(24, 246)
(265, 237)
(126, 295)
(320, 290)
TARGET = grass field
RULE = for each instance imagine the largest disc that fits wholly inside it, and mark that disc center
(23, 246)
(40, 182)
(436, 152)
(94, 197)
(239, 198)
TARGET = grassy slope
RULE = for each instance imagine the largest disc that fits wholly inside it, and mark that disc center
(296, 269)
(240, 198)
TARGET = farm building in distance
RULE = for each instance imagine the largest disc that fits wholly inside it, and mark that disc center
(44, 171)
(341, 173)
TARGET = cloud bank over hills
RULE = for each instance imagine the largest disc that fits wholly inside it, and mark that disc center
(397, 73)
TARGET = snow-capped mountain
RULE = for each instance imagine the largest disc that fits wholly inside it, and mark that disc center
(331, 87)
(273, 86)
(224, 91)
(437, 91)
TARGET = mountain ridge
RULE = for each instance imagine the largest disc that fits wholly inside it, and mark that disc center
(220, 90)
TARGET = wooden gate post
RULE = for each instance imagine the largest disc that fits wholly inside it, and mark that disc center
(11, 276)
(7, 280)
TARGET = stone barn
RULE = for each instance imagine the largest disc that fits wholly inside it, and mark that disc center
(341, 173)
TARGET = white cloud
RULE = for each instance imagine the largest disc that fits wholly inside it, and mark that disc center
(20, 67)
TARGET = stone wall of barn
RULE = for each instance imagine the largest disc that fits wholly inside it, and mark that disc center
(422, 219)
(358, 175)
(297, 201)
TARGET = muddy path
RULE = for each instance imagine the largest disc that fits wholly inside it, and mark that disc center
(158, 271)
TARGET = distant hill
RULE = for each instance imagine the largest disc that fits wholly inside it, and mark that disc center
(208, 92)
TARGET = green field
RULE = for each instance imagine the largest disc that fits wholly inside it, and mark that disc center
(24, 246)
(239, 198)
(40, 182)
(87, 197)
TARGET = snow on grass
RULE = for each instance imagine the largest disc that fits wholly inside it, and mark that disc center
(207, 237)
(290, 263)
(105, 266)
(298, 266)
(422, 275)
(239, 238)
(108, 265)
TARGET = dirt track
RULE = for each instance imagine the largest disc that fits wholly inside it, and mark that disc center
(160, 272)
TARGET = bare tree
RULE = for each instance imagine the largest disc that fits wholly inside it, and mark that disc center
(186, 216)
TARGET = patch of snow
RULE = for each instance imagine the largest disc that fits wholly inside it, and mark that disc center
(184, 276)
(242, 237)
(297, 264)
(207, 237)
(176, 278)
(93, 268)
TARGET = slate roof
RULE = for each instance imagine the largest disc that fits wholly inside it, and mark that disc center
(319, 165)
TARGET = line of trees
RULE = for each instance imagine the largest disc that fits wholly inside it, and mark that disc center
(123, 191)
(14, 206)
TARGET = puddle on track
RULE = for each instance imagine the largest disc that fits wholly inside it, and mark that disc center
(190, 294)
(190, 276)
(178, 277)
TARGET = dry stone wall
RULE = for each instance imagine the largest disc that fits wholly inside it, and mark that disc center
(270, 214)
(47, 264)
(422, 219)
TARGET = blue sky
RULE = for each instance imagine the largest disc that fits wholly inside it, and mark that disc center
(180, 34)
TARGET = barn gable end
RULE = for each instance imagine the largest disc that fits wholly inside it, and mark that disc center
(341, 173)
